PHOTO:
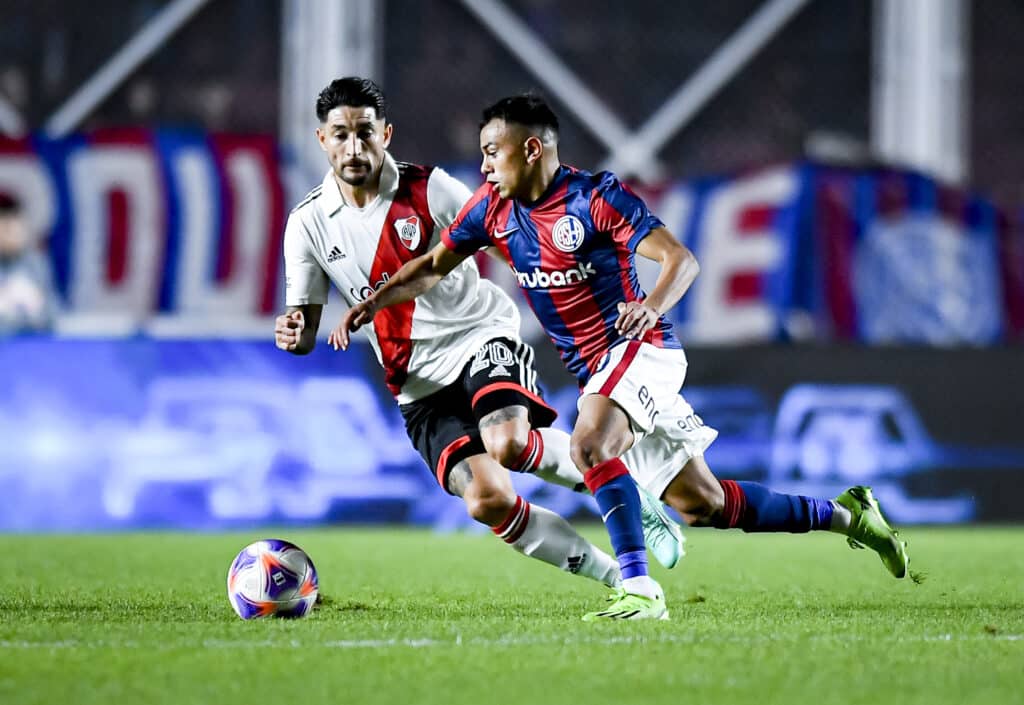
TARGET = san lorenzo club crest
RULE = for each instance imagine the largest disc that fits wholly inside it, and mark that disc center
(568, 233)
(409, 231)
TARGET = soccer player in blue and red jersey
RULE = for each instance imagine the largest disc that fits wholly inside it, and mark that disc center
(571, 237)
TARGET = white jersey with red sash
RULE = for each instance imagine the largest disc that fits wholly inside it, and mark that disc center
(423, 344)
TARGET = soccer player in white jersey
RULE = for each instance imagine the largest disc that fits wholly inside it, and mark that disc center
(453, 359)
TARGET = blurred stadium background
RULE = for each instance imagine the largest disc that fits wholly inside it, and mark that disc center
(847, 172)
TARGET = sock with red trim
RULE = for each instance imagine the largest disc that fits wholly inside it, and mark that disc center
(547, 456)
(540, 533)
(755, 508)
(619, 503)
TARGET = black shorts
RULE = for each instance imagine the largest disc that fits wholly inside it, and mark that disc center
(443, 426)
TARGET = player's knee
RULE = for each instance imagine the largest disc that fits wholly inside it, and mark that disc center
(506, 450)
(589, 450)
(489, 505)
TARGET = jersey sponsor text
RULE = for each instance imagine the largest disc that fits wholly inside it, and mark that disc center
(539, 279)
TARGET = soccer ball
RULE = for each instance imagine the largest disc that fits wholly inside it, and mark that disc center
(272, 578)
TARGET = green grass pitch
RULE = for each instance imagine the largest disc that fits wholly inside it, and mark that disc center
(417, 617)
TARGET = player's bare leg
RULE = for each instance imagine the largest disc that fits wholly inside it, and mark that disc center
(696, 494)
(530, 529)
(512, 441)
(601, 435)
(546, 453)
(703, 500)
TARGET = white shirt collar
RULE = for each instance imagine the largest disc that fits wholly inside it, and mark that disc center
(332, 201)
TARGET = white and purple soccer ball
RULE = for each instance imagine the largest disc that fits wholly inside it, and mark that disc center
(272, 578)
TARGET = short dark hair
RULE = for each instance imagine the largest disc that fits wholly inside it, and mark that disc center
(352, 91)
(526, 109)
(9, 205)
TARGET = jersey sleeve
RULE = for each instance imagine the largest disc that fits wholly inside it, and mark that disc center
(468, 232)
(618, 211)
(446, 196)
(305, 281)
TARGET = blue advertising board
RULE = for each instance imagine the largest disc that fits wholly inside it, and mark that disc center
(107, 434)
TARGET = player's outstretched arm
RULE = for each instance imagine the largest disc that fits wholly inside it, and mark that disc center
(678, 270)
(295, 331)
(416, 277)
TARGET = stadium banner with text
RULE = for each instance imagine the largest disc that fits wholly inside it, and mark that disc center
(143, 222)
(110, 434)
(169, 222)
(811, 252)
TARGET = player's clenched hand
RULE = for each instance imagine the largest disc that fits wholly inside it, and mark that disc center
(288, 330)
(354, 319)
(635, 319)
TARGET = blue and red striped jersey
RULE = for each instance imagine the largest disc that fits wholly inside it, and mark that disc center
(572, 252)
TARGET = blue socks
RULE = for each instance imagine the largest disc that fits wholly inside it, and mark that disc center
(617, 498)
(755, 508)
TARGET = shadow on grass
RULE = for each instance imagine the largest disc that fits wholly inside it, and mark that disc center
(326, 602)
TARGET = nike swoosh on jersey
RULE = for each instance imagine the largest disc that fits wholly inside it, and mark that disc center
(499, 234)
(604, 517)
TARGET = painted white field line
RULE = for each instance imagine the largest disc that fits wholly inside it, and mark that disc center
(458, 641)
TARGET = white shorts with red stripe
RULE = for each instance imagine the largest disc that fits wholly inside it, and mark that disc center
(645, 381)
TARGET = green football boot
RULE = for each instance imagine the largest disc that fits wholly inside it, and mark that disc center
(869, 528)
(625, 605)
(662, 535)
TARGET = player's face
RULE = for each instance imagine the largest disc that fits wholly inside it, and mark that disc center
(13, 235)
(355, 139)
(504, 157)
